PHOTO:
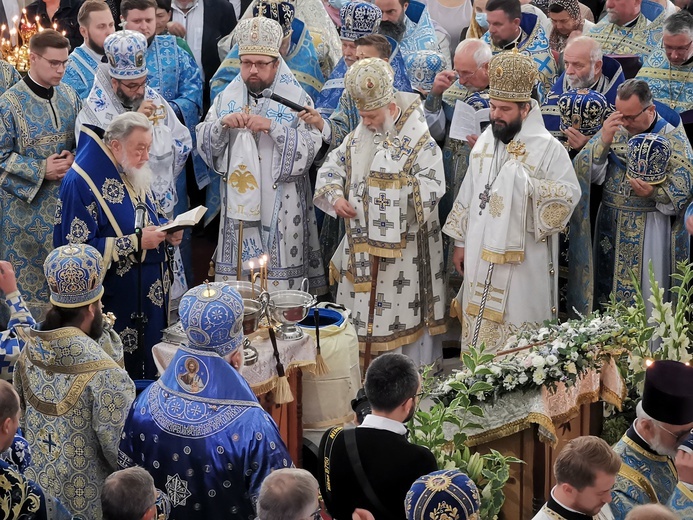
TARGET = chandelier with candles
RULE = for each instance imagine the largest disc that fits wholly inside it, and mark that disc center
(15, 48)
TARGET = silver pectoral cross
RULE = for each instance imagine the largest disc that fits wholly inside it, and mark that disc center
(484, 197)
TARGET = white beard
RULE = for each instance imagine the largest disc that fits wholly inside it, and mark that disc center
(139, 178)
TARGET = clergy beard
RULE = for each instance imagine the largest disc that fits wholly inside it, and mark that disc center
(139, 178)
(96, 48)
(96, 329)
(506, 131)
(256, 86)
(132, 103)
(576, 81)
(658, 446)
(393, 30)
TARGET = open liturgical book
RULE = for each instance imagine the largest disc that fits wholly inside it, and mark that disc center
(185, 220)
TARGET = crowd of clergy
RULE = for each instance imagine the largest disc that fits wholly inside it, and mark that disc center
(439, 168)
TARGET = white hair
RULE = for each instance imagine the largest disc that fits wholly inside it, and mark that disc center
(595, 48)
(482, 50)
(123, 125)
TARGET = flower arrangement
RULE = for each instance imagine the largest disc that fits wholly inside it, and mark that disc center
(663, 334)
(555, 353)
(489, 471)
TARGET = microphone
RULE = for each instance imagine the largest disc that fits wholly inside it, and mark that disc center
(267, 93)
(140, 211)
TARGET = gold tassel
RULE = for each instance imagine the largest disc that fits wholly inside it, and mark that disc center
(321, 367)
(282, 392)
(212, 271)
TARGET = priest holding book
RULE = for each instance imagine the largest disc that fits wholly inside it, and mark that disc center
(101, 195)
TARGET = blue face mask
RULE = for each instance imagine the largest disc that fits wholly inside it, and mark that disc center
(481, 20)
(337, 4)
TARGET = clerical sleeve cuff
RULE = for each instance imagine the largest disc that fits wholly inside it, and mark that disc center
(13, 298)
(327, 131)
(459, 243)
(601, 151)
(433, 103)
(333, 195)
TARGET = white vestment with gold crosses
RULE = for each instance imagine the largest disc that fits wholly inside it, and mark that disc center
(524, 288)
(394, 187)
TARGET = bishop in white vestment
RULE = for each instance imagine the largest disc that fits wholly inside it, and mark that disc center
(520, 190)
(388, 173)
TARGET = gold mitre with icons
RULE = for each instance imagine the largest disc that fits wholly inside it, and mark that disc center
(371, 83)
(259, 35)
(511, 76)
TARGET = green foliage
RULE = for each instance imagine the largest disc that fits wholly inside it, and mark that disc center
(491, 471)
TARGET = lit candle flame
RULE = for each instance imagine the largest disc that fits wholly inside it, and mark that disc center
(648, 362)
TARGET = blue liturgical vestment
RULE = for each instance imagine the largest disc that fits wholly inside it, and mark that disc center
(622, 230)
(607, 84)
(21, 498)
(204, 438)
(647, 477)
(96, 207)
(574, 289)
(80, 70)
(33, 126)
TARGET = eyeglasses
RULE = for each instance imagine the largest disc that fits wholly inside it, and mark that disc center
(465, 74)
(633, 118)
(316, 515)
(134, 86)
(685, 48)
(259, 65)
(55, 64)
(678, 437)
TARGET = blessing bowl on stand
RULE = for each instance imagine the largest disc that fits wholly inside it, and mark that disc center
(288, 308)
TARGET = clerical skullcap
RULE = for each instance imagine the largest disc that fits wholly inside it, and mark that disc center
(423, 66)
(448, 494)
(668, 394)
(212, 317)
(259, 35)
(359, 19)
(511, 77)
(74, 274)
(281, 12)
(583, 109)
(125, 51)
(371, 83)
(648, 157)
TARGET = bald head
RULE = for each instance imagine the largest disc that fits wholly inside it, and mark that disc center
(287, 494)
(9, 414)
(583, 62)
(9, 401)
(652, 512)
(471, 63)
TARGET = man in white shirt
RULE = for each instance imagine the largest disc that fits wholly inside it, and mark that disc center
(585, 472)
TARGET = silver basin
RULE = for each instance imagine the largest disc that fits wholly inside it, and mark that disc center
(288, 308)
